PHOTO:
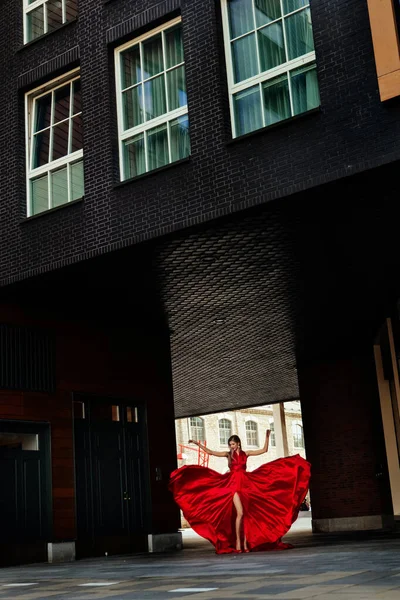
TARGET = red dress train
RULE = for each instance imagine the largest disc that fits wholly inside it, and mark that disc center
(271, 496)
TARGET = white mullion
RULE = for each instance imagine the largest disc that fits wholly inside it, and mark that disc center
(49, 184)
(255, 32)
(229, 62)
(179, 112)
(45, 17)
(57, 164)
(181, 64)
(164, 69)
(284, 33)
(64, 11)
(142, 81)
(71, 100)
(146, 160)
(69, 182)
(275, 72)
(290, 93)
(51, 127)
(260, 91)
(118, 91)
(169, 141)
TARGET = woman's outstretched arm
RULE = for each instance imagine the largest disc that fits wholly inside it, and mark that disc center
(261, 450)
(207, 450)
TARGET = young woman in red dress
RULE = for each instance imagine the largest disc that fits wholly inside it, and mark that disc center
(241, 509)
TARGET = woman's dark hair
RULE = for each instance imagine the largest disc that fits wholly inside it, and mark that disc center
(235, 438)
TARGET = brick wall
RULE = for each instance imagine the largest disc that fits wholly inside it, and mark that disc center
(352, 131)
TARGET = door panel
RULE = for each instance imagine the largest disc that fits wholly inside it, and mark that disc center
(109, 463)
(9, 501)
(32, 518)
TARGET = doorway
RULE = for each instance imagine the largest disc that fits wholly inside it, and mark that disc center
(111, 476)
(25, 499)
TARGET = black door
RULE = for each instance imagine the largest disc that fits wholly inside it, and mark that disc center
(110, 476)
(25, 499)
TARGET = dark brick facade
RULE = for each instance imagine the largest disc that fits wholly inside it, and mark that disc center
(352, 131)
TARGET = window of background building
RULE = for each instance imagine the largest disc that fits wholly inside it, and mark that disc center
(197, 429)
(153, 122)
(54, 144)
(298, 436)
(270, 61)
(252, 433)
(225, 431)
(44, 16)
(272, 439)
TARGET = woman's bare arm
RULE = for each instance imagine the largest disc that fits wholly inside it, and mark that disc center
(261, 450)
(207, 450)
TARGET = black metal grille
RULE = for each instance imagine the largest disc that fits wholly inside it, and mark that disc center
(27, 359)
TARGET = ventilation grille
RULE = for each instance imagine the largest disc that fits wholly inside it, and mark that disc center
(27, 359)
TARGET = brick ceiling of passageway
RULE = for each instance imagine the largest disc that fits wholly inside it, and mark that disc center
(251, 297)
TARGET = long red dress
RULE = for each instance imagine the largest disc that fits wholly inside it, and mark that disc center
(271, 496)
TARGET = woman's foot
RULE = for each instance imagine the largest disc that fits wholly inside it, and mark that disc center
(238, 547)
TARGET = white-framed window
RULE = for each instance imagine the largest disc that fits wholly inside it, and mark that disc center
(225, 431)
(197, 429)
(251, 433)
(272, 438)
(298, 435)
(44, 16)
(153, 124)
(270, 58)
(54, 142)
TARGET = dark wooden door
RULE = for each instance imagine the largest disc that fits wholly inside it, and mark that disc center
(25, 499)
(110, 476)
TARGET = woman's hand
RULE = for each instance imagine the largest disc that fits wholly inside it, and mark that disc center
(268, 433)
(192, 442)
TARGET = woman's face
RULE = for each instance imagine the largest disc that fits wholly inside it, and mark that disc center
(233, 445)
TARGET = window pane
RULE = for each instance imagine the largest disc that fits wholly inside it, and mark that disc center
(61, 103)
(305, 90)
(35, 21)
(157, 147)
(54, 14)
(180, 141)
(173, 46)
(152, 56)
(271, 46)
(247, 108)
(78, 409)
(76, 90)
(241, 17)
(19, 441)
(134, 158)
(77, 134)
(132, 414)
(154, 97)
(60, 140)
(40, 149)
(77, 181)
(299, 34)
(290, 5)
(132, 103)
(244, 55)
(130, 67)
(176, 82)
(42, 112)
(115, 412)
(59, 187)
(276, 100)
(267, 11)
(71, 10)
(225, 431)
(39, 195)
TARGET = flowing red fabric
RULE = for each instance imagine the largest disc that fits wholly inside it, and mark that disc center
(271, 496)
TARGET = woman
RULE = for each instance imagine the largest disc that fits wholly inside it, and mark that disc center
(240, 509)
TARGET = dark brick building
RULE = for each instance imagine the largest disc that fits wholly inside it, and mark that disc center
(199, 211)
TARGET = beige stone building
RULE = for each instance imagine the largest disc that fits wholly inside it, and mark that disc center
(250, 425)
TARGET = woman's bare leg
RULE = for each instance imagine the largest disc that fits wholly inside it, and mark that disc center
(239, 516)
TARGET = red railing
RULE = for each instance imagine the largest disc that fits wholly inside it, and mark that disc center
(202, 457)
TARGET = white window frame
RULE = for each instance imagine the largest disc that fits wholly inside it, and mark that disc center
(253, 422)
(282, 69)
(273, 434)
(223, 429)
(295, 425)
(54, 165)
(161, 120)
(30, 7)
(193, 427)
